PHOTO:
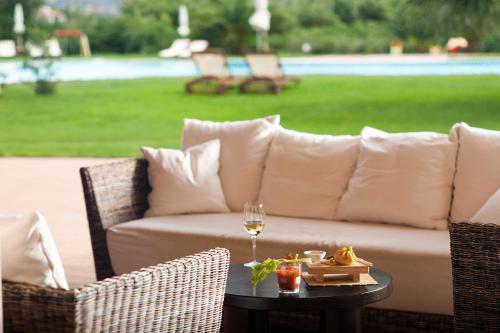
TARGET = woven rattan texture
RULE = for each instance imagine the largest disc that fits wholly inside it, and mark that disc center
(114, 193)
(183, 295)
(475, 257)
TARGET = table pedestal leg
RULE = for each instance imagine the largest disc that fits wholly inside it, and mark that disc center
(342, 320)
(236, 320)
(259, 321)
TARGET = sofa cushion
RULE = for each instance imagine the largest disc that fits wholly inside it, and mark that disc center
(490, 211)
(244, 147)
(306, 174)
(401, 178)
(185, 181)
(478, 165)
(417, 259)
(29, 253)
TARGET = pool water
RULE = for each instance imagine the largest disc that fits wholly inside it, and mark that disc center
(105, 69)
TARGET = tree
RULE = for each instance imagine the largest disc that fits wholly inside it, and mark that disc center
(224, 23)
(470, 18)
(233, 18)
(345, 10)
(416, 26)
(7, 15)
(372, 10)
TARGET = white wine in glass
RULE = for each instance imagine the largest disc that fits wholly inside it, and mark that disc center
(253, 222)
(254, 228)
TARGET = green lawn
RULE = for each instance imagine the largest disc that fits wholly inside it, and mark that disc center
(114, 118)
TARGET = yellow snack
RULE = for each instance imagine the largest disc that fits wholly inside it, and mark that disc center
(345, 256)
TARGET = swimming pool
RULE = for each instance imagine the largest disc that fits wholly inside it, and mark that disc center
(105, 69)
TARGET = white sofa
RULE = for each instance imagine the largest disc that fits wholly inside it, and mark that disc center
(417, 258)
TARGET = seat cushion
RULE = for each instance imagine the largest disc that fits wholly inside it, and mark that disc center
(477, 177)
(490, 211)
(244, 147)
(306, 174)
(401, 178)
(418, 259)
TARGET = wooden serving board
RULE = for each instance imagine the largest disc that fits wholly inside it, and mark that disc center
(338, 280)
(321, 270)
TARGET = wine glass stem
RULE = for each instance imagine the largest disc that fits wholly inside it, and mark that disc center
(254, 247)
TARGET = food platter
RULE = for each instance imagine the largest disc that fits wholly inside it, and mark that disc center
(325, 269)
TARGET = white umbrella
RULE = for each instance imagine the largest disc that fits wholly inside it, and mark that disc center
(19, 27)
(260, 21)
(183, 28)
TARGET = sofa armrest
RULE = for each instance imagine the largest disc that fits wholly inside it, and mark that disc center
(114, 193)
(185, 295)
(29, 308)
(475, 260)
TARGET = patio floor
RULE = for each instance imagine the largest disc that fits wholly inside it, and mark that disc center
(52, 186)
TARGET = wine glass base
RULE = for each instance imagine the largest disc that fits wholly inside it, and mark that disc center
(251, 263)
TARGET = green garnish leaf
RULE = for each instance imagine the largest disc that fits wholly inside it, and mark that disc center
(261, 271)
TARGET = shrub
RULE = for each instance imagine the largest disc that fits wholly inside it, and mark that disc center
(492, 42)
(105, 33)
(316, 15)
(372, 10)
(345, 11)
(146, 34)
(359, 38)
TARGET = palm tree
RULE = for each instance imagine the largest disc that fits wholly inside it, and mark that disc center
(234, 16)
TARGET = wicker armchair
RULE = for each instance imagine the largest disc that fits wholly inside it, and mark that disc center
(183, 295)
(475, 256)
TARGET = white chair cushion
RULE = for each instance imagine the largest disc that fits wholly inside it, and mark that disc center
(244, 147)
(478, 165)
(306, 174)
(401, 178)
(418, 259)
(29, 254)
(185, 181)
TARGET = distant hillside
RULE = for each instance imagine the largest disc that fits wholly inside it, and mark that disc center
(101, 7)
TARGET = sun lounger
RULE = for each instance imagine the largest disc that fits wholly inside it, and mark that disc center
(213, 67)
(197, 46)
(7, 48)
(34, 51)
(53, 48)
(179, 49)
(266, 69)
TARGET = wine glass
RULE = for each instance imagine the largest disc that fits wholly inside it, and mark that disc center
(253, 222)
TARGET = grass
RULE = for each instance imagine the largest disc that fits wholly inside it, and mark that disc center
(114, 118)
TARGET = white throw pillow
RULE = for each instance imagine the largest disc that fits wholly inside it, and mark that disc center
(244, 147)
(401, 178)
(490, 211)
(306, 174)
(478, 170)
(29, 253)
(185, 181)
